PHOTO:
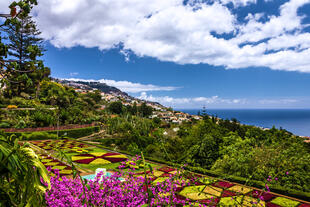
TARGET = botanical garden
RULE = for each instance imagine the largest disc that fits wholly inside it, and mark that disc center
(123, 157)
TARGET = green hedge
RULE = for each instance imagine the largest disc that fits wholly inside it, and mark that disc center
(77, 133)
(71, 133)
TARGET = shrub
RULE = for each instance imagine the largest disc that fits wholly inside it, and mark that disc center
(71, 133)
(38, 136)
(20, 125)
(77, 133)
(5, 125)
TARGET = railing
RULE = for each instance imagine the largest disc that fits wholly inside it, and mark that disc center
(77, 126)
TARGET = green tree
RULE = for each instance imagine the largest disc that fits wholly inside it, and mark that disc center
(55, 94)
(145, 111)
(96, 95)
(116, 107)
(23, 71)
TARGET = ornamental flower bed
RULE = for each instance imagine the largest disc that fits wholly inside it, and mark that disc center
(97, 158)
(110, 192)
(54, 164)
(64, 144)
(158, 187)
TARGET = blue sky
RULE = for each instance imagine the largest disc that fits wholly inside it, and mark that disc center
(185, 54)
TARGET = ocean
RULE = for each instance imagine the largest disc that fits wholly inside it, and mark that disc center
(296, 121)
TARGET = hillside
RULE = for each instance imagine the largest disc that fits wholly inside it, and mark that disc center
(103, 87)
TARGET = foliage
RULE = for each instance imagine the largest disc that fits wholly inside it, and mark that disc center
(22, 72)
(21, 175)
(80, 132)
(118, 108)
(38, 136)
(71, 133)
(224, 146)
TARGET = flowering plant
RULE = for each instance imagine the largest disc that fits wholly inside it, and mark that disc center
(111, 191)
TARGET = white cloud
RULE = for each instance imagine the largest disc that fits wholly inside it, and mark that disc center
(239, 2)
(74, 74)
(287, 21)
(236, 3)
(185, 34)
(192, 102)
(219, 102)
(129, 87)
(278, 101)
(4, 6)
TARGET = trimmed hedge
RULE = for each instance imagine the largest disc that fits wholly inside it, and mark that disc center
(254, 183)
(71, 133)
(77, 133)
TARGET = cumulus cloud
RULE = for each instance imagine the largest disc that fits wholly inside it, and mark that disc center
(129, 87)
(197, 32)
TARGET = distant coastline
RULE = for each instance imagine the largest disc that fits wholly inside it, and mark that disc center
(296, 121)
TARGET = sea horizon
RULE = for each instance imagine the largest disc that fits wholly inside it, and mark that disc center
(296, 121)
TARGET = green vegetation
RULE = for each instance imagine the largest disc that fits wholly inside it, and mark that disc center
(70, 133)
(20, 173)
(57, 104)
(118, 108)
(222, 146)
(21, 68)
(25, 82)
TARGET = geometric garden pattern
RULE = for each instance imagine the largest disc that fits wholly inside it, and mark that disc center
(205, 190)
(84, 154)
(99, 158)
(81, 153)
(64, 144)
(54, 164)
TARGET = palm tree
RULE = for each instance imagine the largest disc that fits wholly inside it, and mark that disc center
(22, 175)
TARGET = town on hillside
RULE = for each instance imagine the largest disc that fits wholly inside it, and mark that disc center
(111, 94)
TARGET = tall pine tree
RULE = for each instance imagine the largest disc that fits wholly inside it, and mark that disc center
(22, 70)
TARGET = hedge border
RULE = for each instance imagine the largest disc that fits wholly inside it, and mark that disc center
(71, 133)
